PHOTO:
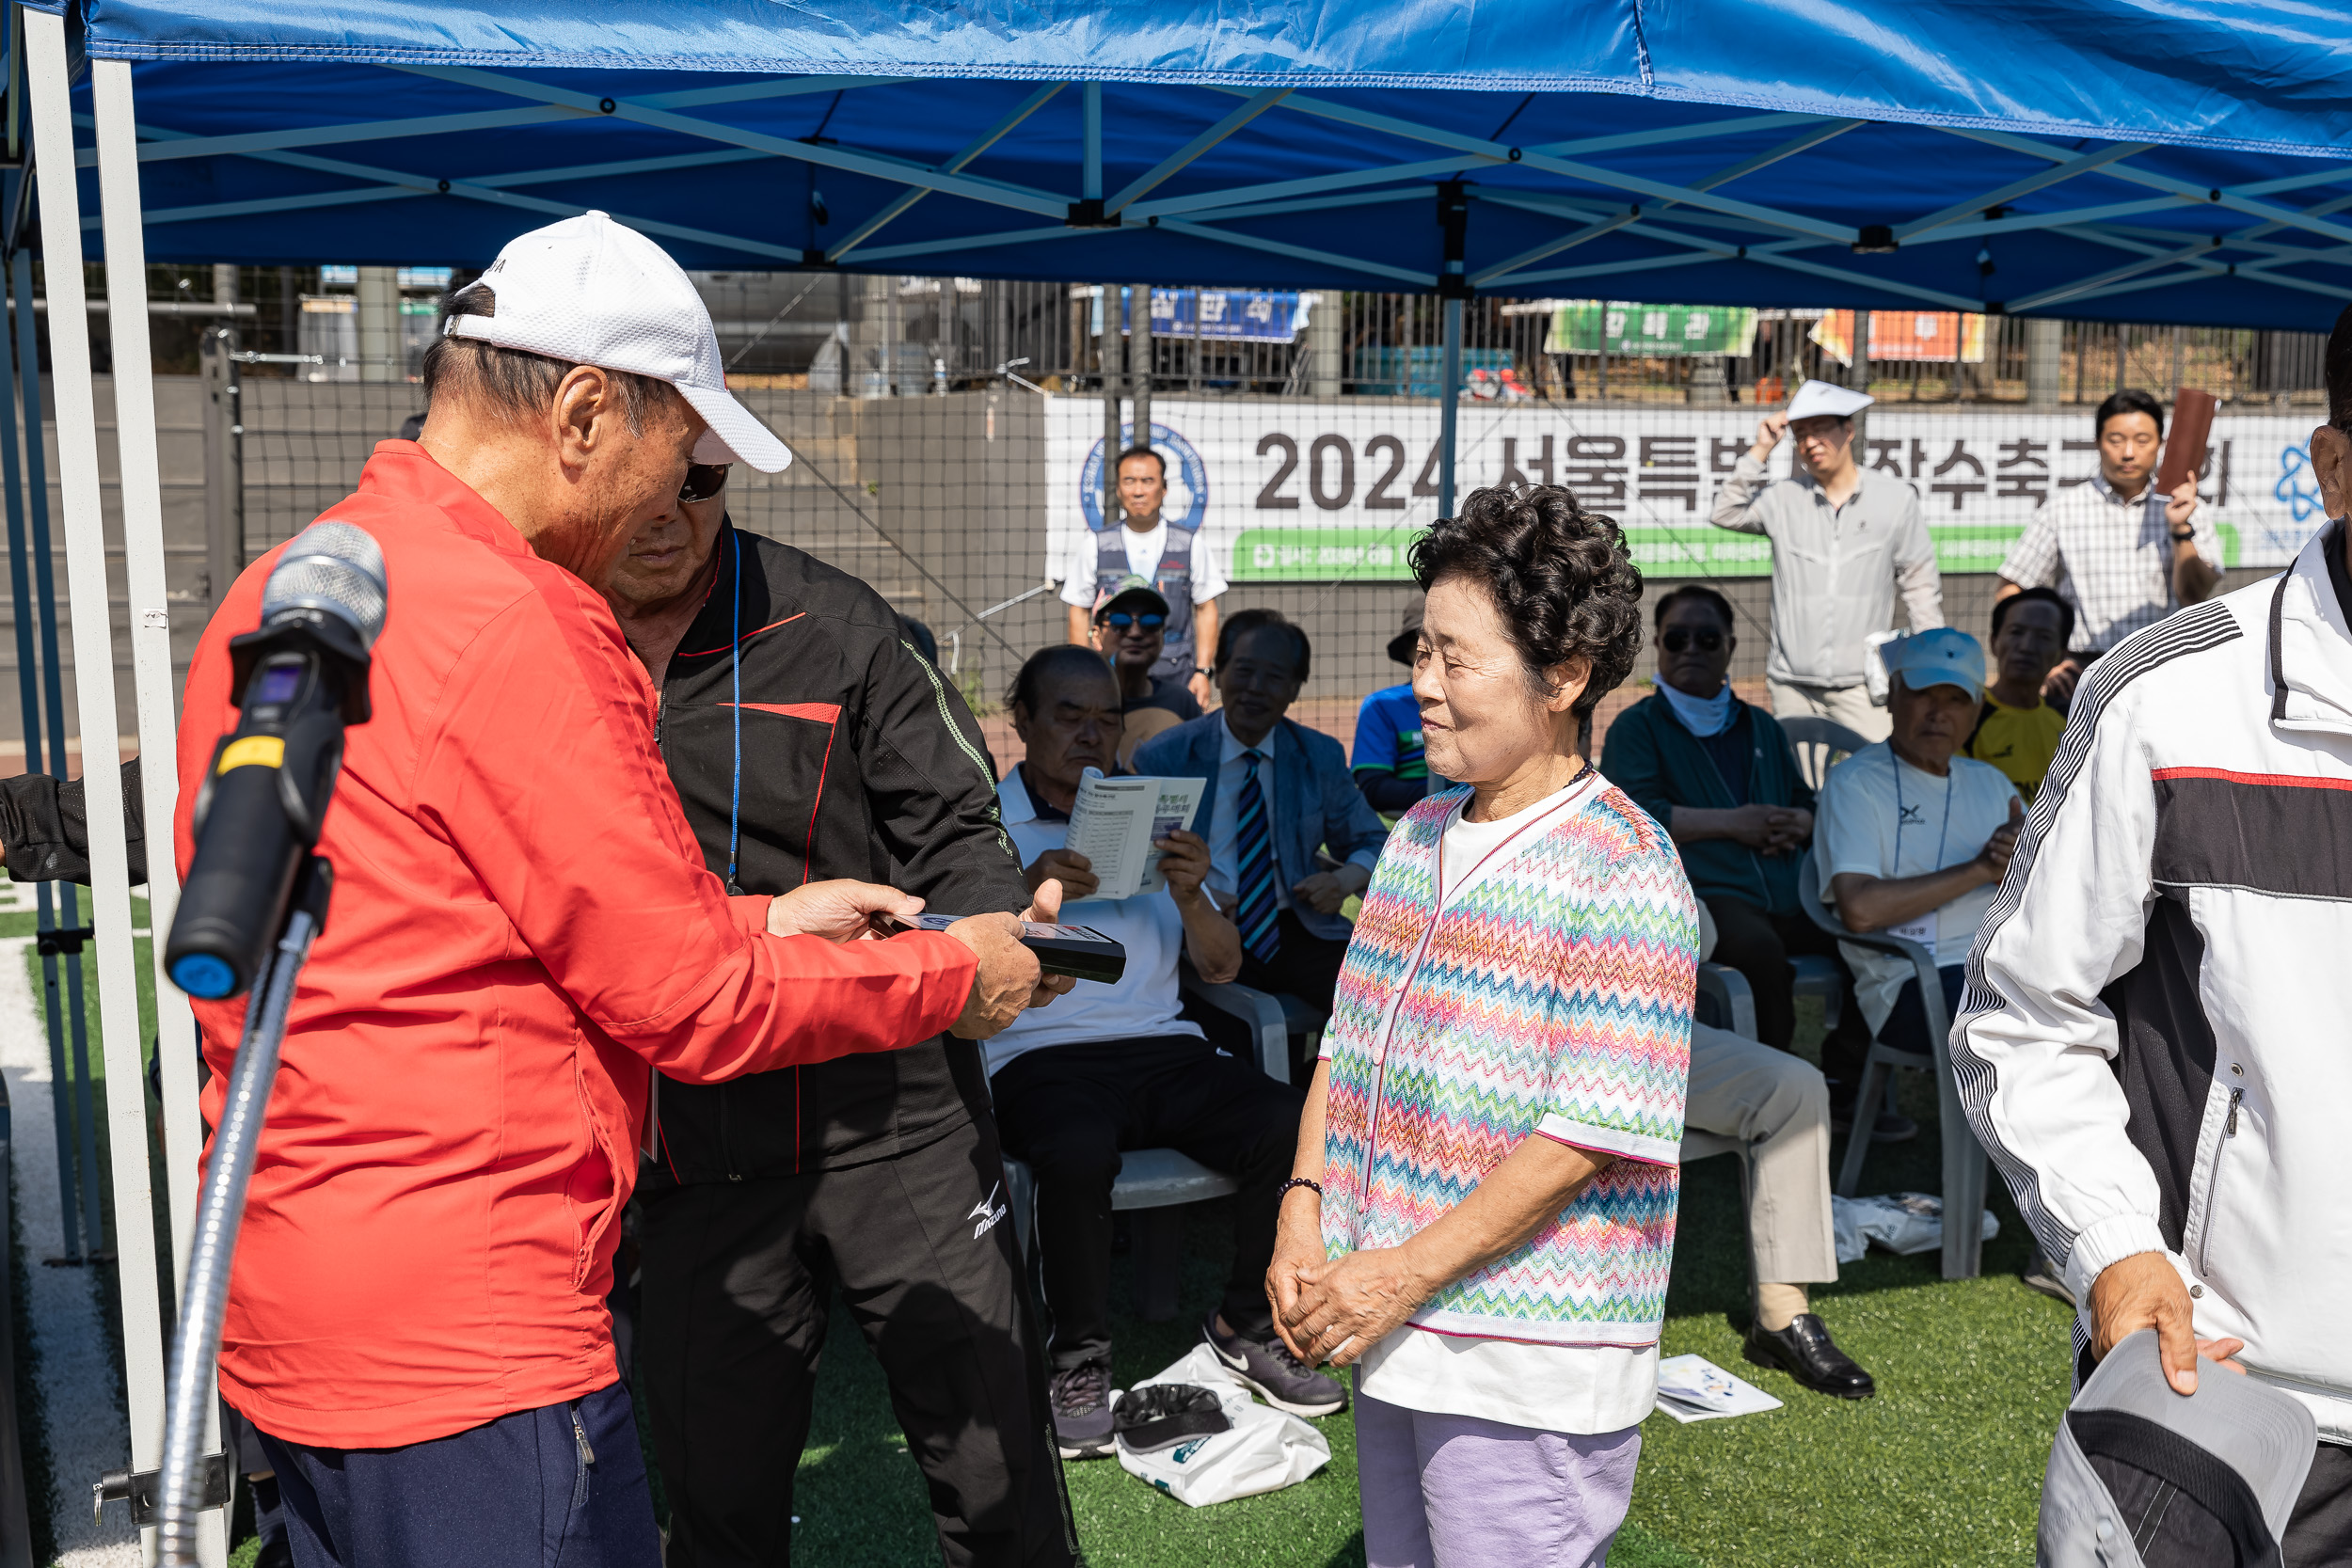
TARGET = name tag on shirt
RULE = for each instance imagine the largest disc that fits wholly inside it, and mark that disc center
(1921, 930)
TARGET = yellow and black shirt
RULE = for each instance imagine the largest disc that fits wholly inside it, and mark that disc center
(2020, 742)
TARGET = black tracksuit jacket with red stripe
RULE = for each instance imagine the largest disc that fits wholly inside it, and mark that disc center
(860, 760)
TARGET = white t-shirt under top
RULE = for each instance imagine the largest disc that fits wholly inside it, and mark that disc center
(1145, 1003)
(1144, 550)
(1585, 1389)
(1881, 816)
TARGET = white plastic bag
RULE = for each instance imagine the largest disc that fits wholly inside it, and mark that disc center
(1264, 1450)
(1875, 680)
(1902, 1223)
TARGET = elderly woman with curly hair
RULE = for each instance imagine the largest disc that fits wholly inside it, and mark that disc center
(1480, 1213)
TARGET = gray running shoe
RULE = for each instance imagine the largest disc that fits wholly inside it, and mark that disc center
(2043, 1276)
(1081, 1401)
(1268, 1365)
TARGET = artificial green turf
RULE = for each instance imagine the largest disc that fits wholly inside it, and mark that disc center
(1943, 1466)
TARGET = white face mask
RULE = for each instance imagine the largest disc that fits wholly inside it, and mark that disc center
(1701, 716)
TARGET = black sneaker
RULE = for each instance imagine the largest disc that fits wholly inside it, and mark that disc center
(2043, 1276)
(1081, 1401)
(1280, 1378)
(1805, 1351)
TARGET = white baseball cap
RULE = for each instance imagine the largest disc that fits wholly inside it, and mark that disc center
(591, 291)
(1817, 398)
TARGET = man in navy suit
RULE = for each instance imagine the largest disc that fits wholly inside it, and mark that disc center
(1278, 793)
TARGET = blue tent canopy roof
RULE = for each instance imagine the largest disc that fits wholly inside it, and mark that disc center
(2256, 75)
(2076, 157)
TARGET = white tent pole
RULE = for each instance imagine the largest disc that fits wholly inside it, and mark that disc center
(101, 757)
(1449, 405)
(150, 673)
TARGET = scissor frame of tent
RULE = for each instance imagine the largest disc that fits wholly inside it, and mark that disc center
(2138, 216)
(1012, 177)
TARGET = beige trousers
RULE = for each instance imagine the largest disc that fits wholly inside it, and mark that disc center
(1779, 1105)
(1848, 706)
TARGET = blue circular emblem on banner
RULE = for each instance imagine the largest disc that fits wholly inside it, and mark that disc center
(1187, 501)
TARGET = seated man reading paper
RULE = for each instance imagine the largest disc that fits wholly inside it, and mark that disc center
(1122, 1068)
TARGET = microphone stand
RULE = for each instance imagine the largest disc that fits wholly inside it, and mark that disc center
(221, 1212)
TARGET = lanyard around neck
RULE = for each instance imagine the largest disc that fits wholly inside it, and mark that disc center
(1942, 837)
(735, 672)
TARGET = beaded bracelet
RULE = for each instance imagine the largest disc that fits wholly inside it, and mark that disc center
(1284, 1191)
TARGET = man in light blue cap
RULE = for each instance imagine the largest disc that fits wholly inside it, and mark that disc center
(1913, 839)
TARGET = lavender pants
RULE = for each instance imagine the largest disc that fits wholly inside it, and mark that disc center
(1457, 1492)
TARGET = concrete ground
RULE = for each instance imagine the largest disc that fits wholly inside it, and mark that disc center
(75, 1359)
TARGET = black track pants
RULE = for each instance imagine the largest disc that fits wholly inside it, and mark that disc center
(1069, 1110)
(736, 1276)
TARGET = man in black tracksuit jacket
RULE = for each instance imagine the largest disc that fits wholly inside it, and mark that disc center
(879, 1174)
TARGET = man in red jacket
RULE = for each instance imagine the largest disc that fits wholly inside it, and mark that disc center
(522, 933)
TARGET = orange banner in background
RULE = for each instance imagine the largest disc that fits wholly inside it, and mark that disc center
(1921, 335)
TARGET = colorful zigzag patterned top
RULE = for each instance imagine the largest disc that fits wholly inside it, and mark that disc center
(1553, 997)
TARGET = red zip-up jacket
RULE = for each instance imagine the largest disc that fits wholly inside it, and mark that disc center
(522, 923)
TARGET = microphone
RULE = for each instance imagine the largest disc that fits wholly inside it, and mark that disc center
(297, 681)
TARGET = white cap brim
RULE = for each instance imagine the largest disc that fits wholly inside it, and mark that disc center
(734, 436)
(1817, 398)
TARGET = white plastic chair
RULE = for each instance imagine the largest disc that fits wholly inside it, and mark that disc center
(1157, 1184)
(1819, 744)
(1964, 1169)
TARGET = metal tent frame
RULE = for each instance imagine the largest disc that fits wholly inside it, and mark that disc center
(1370, 178)
(2166, 210)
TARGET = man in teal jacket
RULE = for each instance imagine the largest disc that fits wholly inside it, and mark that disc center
(1718, 774)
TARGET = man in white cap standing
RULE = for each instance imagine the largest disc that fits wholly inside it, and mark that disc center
(522, 933)
(1844, 538)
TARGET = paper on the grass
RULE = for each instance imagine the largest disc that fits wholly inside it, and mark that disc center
(1114, 822)
(1692, 1389)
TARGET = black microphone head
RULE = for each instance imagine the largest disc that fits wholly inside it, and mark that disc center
(334, 568)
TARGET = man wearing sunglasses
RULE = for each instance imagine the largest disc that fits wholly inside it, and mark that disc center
(1129, 628)
(1844, 539)
(1719, 774)
(808, 738)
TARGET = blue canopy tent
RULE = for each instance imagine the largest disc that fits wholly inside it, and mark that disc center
(2175, 161)
(2103, 158)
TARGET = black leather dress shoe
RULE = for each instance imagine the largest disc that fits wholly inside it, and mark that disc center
(1805, 1351)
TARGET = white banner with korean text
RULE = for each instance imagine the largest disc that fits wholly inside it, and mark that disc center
(1298, 491)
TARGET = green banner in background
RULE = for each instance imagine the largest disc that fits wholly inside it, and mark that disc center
(1648, 331)
(1694, 549)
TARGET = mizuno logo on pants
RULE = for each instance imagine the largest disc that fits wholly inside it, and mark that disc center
(988, 1211)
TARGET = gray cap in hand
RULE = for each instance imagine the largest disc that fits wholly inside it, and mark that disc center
(2143, 1477)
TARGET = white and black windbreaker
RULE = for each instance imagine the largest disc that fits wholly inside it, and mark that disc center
(2156, 1045)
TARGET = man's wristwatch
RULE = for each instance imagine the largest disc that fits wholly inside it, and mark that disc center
(2184, 535)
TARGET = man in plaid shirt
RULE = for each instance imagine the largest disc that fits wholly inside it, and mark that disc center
(2122, 553)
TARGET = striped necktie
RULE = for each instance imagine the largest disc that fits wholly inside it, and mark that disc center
(1255, 882)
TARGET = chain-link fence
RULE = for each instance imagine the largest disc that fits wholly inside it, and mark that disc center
(949, 433)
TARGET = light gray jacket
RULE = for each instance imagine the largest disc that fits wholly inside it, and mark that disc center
(1835, 569)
